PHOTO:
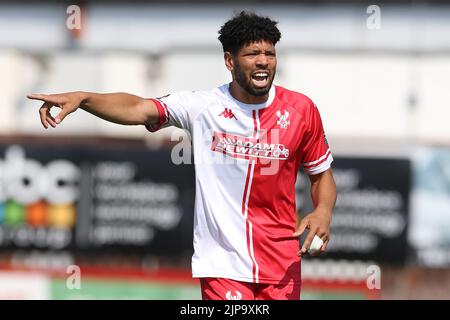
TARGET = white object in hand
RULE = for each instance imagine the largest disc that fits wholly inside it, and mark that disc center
(316, 244)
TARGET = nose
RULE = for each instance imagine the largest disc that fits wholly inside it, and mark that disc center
(262, 61)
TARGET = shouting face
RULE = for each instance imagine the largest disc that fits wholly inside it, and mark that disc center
(253, 68)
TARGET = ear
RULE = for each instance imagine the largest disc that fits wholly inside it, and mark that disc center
(229, 63)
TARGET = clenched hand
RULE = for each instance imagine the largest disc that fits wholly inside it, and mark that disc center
(318, 223)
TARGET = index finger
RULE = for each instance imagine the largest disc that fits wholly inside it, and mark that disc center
(42, 97)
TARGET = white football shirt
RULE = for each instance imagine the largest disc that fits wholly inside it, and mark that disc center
(246, 162)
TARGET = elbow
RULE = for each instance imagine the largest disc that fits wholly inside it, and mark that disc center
(147, 112)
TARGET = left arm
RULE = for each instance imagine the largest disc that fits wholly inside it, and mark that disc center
(323, 194)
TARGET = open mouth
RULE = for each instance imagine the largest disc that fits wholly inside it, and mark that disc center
(260, 78)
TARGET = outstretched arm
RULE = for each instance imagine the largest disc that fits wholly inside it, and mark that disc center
(323, 194)
(121, 108)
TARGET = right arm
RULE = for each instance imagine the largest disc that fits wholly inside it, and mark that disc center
(121, 108)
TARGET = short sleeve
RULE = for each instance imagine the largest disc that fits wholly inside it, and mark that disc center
(177, 109)
(316, 153)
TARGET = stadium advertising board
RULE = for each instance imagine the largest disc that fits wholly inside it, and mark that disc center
(136, 200)
(59, 197)
(371, 215)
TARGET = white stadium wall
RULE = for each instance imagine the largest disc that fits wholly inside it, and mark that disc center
(371, 85)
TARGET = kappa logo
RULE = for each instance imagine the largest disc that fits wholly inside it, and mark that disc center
(283, 122)
(229, 296)
(227, 114)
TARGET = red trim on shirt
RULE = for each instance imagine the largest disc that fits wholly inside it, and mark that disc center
(163, 113)
(318, 163)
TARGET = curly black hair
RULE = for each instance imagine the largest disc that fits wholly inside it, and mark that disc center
(245, 28)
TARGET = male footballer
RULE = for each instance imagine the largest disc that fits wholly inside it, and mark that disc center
(246, 240)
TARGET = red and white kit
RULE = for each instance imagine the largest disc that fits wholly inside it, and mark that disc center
(246, 161)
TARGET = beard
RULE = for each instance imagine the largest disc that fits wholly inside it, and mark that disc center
(246, 82)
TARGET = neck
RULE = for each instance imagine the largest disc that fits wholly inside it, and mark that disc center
(243, 96)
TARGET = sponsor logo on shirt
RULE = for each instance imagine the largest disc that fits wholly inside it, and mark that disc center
(247, 148)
